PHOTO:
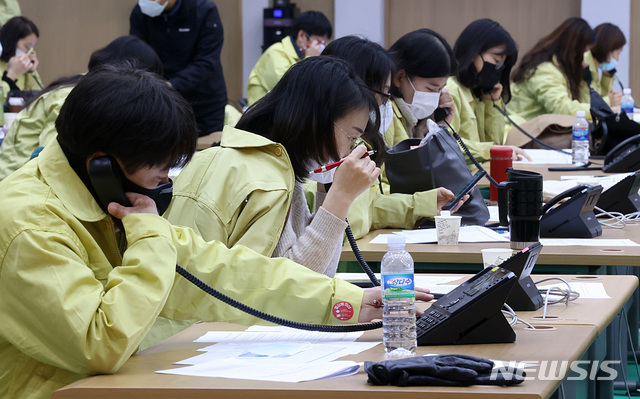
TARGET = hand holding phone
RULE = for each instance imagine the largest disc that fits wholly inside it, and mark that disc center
(465, 190)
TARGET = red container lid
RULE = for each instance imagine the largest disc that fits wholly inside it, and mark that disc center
(501, 152)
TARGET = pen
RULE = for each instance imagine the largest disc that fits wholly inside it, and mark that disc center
(336, 164)
(29, 51)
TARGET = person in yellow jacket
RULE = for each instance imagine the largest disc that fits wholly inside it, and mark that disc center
(34, 126)
(602, 59)
(8, 10)
(485, 53)
(550, 77)
(310, 32)
(19, 61)
(83, 279)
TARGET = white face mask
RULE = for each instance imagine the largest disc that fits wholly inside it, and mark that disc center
(424, 103)
(323, 177)
(151, 8)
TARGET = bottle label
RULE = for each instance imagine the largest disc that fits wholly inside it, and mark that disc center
(398, 286)
(627, 108)
(580, 133)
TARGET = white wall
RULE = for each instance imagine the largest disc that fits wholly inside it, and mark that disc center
(616, 12)
(360, 17)
(252, 11)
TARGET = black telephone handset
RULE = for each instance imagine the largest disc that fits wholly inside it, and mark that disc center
(106, 178)
(440, 114)
(471, 184)
(575, 217)
(625, 157)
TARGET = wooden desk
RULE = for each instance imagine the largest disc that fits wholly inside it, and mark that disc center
(470, 252)
(137, 378)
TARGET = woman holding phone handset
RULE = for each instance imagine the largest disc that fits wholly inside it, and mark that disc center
(19, 62)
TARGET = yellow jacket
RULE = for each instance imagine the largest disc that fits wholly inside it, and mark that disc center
(479, 124)
(601, 84)
(238, 193)
(27, 81)
(273, 63)
(33, 127)
(73, 303)
(546, 91)
(8, 10)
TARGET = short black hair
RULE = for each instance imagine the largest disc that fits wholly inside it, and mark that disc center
(423, 53)
(313, 23)
(368, 59)
(300, 111)
(129, 48)
(13, 30)
(608, 37)
(478, 37)
(131, 114)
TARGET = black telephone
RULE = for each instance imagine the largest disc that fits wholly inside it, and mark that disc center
(106, 178)
(575, 217)
(623, 196)
(471, 184)
(471, 313)
(440, 114)
(625, 157)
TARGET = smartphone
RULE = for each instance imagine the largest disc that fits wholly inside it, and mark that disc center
(465, 190)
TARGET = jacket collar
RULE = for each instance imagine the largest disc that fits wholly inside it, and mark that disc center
(66, 184)
(236, 138)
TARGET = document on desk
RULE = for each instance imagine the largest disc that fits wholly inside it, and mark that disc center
(540, 156)
(467, 234)
(276, 334)
(586, 290)
(588, 242)
(280, 372)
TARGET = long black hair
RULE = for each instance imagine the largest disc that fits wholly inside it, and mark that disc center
(478, 37)
(424, 53)
(608, 38)
(300, 111)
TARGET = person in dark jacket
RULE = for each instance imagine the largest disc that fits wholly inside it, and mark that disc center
(188, 37)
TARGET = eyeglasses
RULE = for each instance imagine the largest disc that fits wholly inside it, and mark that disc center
(385, 96)
(354, 140)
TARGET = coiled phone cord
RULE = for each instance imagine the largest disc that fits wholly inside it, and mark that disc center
(356, 251)
(270, 318)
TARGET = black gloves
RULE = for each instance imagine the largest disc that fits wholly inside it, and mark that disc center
(441, 370)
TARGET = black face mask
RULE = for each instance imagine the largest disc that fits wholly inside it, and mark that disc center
(587, 75)
(488, 77)
(161, 195)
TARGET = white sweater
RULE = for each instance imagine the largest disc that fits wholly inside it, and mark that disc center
(313, 240)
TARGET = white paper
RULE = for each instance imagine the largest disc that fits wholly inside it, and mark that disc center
(586, 290)
(551, 188)
(588, 242)
(467, 234)
(281, 372)
(540, 156)
(283, 352)
(277, 334)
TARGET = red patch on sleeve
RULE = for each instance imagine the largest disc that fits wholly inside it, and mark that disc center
(343, 311)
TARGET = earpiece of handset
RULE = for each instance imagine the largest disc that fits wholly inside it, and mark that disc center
(440, 114)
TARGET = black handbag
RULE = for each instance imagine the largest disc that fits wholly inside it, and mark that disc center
(609, 128)
(439, 163)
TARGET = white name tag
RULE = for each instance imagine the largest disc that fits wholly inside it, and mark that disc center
(184, 30)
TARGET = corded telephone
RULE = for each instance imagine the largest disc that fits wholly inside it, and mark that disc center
(524, 295)
(623, 196)
(625, 157)
(471, 313)
(575, 217)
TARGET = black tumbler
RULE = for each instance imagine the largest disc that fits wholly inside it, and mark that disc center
(521, 197)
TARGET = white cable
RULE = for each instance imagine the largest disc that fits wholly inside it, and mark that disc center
(514, 317)
(617, 220)
(563, 295)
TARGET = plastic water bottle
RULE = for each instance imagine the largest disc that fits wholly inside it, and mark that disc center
(627, 103)
(398, 297)
(580, 142)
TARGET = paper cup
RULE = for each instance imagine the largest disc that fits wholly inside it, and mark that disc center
(448, 229)
(495, 256)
